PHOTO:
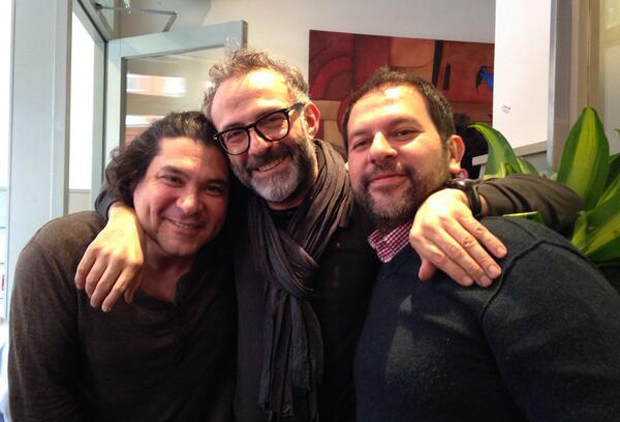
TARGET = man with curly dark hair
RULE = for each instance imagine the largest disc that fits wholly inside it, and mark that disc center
(170, 355)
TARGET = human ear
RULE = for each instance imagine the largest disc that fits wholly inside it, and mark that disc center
(312, 117)
(456, 149)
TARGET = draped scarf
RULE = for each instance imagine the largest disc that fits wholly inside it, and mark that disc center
(292, 344)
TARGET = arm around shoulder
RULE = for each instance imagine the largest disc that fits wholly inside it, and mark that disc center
(517, 193)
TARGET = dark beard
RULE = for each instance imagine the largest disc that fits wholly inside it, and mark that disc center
(399, 214)
(404, 208)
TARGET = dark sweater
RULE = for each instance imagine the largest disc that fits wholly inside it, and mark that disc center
(150, 361)
(541, 344)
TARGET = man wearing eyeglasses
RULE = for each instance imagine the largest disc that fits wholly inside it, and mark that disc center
(303, 268)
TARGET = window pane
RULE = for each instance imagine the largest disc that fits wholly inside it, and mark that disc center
(159, 85)
(81, 117)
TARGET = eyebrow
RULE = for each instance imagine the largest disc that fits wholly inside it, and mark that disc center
(218, 181)
(236, 125)
(176, 170)
(171, 169)
(391, 124)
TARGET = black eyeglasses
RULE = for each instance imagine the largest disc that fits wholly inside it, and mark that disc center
(271, 127)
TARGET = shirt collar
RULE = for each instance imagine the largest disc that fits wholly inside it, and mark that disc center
(388, 244)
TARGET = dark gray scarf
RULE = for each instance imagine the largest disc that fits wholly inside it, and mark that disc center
(293, 346)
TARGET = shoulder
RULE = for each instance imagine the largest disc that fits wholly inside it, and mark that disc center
(536, 250)
(543, 270)
(520, 234)
(70, 227)
(65, 238)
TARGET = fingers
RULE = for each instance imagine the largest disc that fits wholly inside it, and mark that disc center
(94, 276)
(466, 252)
(427, 270)
(116, 281)
(120, 288)
(488, 240)
(434, 258)
(83, 269)
(454, 247)
(134, 286)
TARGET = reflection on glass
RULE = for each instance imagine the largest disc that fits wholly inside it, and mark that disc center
(158, 85)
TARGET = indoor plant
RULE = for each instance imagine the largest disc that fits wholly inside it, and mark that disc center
(589, 170)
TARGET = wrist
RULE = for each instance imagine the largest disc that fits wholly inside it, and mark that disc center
(119, 210)
(470, 189)
(484, 206)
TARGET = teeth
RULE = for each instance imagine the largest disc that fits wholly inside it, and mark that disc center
(184, 225)
(271, 165)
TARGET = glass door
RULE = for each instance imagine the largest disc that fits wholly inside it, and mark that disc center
(151, 75)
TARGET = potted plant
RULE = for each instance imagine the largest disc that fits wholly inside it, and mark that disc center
(588, 169)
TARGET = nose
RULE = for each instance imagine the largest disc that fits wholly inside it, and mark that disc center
(189, 202)
(381, 149)
(258, 145)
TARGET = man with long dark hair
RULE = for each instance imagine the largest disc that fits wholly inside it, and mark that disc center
(170, 355)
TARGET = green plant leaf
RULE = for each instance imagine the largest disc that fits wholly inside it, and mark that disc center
(526, 167)
(603, 237)
(614, 168)
(612, 189)
(580, 231)
(501, 160)
(585, 159)
(532, 215)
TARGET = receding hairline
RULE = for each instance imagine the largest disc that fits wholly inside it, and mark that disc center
(281, 79)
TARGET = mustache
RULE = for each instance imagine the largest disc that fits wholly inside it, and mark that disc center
(276, 152)
(378, 170)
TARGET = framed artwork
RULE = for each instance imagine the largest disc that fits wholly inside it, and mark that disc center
(340, 62)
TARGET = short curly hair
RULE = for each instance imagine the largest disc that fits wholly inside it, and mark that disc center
(129, 164)
(438, 107)
(244, 61)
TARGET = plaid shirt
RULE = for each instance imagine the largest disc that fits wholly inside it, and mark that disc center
(387, 245)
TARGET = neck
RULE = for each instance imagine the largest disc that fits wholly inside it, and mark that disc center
(162, 273)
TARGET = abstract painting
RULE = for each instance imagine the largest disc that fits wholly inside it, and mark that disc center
(340, 62)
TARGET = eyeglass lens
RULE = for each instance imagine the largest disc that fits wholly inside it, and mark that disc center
(272, 127)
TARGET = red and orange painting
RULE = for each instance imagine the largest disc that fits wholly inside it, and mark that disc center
(341, 62)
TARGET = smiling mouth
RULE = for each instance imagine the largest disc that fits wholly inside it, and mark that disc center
(269, 166)
(184, 226)
(385, 177)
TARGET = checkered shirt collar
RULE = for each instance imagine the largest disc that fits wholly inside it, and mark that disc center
(387, 245)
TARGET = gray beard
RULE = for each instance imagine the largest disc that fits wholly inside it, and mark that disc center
(282, 186)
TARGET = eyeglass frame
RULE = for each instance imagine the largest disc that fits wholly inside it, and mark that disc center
(218, 136)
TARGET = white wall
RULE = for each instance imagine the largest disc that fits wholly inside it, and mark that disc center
(521, 91)
(283, 26)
